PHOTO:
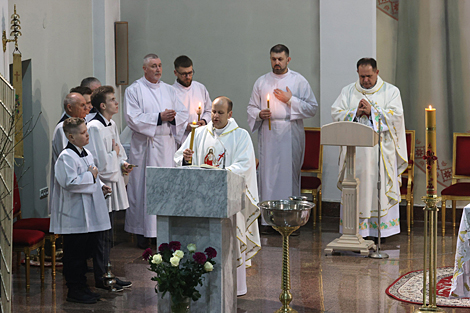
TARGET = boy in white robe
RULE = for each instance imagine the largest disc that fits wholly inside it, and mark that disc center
(78, 209)
(110, 158)
(233, 150)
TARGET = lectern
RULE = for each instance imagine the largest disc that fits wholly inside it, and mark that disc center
(351, 135)
(195, 205)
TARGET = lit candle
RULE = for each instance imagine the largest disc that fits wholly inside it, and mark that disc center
(191, 143)
(430, 155)
(269, 119)
(199, 112)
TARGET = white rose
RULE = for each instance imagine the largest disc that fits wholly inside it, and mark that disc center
(208, 267)
(157, 259)
(178, 253)
(191, 247)
(175, 261)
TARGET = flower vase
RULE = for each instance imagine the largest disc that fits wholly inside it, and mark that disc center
(180, 306)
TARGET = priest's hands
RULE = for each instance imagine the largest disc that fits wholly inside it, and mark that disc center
(93, 170)
(168, 115)
(201, 123)
(126, 168)
(363, 108)
(265, 114)
(283, 96)
(187, 154)
(116, 147)
(106, 190)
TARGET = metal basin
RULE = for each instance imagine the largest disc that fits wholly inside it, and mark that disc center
(286, 213)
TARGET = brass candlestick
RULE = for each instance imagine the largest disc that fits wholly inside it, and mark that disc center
(286, 216)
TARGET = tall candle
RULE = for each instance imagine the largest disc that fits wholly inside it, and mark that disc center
(191, 142)
(199, 112)
(430, 155)
(269, 119)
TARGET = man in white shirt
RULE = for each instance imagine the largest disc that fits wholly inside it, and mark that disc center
(192, 94)
(92, 83)
(157, 119)
(281, 135)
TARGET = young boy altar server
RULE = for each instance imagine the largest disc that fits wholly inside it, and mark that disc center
(78, 210)
(110, 158)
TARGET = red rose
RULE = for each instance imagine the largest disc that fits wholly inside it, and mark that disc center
(163, 247)
(211, 252)
(175, 245)
(147, 254)
(199, 257)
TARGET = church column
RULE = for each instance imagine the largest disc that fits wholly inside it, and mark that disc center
(347, 33)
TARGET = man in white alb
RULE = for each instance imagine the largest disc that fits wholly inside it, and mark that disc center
(365, 101)
(281, 149)
(156, 118)
(232, 148)
(192, 94)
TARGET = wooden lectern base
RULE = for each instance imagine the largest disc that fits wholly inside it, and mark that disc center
(350, 243)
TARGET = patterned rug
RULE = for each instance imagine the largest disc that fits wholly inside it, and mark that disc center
(409, 288)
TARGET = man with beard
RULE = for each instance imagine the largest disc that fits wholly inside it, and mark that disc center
(281, 148)
(192, 94)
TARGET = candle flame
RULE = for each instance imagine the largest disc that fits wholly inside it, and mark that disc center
(199, 104)
(194, 122)
(268, 97)
(430, 107)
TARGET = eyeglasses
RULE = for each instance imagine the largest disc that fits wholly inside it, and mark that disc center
(187, 73)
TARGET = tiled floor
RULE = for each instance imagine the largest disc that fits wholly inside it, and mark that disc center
(339, 283)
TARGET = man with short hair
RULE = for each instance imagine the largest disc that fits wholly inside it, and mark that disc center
(281, 148)
(366, 101)
(92, 83)
(233, 149)
(156, 118)
(86, 93)
(74, 106)
(192, 94)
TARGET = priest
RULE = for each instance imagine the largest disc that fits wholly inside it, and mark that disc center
(231, 147)
(157, 119)
(367, 101)
(281, 135)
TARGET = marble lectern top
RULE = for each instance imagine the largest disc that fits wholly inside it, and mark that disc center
(194, 192)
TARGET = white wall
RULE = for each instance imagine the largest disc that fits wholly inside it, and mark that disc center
(228, 41)
(5, 25)
(347, 33)
(57, 38)
(387, 34)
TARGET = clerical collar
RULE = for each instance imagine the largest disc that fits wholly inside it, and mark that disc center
(79, 151)
(372, 90)
(220, 131)
(150, 84)
(102, 119)
(280, 76)
(63, 118)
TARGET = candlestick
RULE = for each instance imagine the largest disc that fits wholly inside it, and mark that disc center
(430, 155)
(191, 142)
(269, 119)
(199, 112)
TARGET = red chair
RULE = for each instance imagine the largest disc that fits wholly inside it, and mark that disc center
(25, 240)
(313, 163)
(460, 170)
(38, 224)
(407, 178)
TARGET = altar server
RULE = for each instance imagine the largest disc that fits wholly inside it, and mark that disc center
(281, 148)
(157, 119)
(110, 158)
(192, 94)
(230, 147)
(92, 83)
(78, 209)
(364, 102)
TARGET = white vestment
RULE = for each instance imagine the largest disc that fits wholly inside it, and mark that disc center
(281, 149)
(394, 159)
(240, 159)
(59, 141)
(108, 162)
(191, 97)
(78, 205)
(151, 144)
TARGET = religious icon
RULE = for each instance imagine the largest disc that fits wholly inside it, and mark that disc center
(210, 158)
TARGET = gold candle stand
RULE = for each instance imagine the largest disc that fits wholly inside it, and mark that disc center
(430, 253)
(285, 297)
